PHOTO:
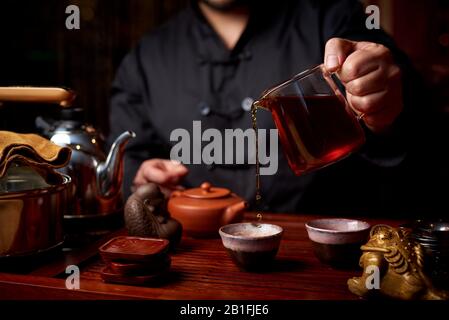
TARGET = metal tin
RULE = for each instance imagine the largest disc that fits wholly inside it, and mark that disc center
(31, 220)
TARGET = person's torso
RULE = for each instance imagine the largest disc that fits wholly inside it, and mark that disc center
(193, 77)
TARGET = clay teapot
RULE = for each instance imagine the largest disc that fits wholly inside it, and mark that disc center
(146, 215)
(202, 211)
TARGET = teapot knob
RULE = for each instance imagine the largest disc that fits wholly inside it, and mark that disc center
(206, 186)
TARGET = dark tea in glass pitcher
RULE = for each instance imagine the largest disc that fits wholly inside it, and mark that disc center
(316, 125)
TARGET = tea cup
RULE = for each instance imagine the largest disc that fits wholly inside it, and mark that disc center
(252, 246)
(337, 241)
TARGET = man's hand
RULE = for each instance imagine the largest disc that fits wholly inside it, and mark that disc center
(372, 80)
(166, 173)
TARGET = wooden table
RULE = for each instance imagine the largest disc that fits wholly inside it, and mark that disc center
(201, 269)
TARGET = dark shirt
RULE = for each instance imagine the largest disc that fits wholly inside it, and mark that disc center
(182, 72)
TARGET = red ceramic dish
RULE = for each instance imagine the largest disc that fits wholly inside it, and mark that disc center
(108, 275)
(133, 249)
(139, 268)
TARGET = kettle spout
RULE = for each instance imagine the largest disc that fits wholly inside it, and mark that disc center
(110, 172)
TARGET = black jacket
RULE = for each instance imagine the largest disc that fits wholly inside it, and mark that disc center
(182, 72)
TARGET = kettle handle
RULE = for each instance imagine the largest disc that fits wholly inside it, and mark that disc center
(63, 97)
(232, 212)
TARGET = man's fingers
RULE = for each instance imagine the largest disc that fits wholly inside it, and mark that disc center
(139, 180)
(363, 61)
(372, 82)
(152, 173)
(355, 57)
(175, 166)
(381, 119)
(163, 172)
(176, 171)
(336, 52)
(371, 79)
(376, 109)
(159, 176)
(368, 104)
(338, 49)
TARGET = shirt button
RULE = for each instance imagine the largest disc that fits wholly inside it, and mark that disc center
(204, 109)
(247, 103)
(246, 55)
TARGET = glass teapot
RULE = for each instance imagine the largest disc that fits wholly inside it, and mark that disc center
(316, 125)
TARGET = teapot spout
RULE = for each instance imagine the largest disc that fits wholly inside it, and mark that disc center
(234, 213)
(110, 172)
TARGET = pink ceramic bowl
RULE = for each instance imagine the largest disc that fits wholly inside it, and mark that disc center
(252, 246)
(337, 241)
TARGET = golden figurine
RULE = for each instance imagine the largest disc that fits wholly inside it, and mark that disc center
(399, 262)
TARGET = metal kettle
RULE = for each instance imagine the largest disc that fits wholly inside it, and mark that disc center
(96, 174)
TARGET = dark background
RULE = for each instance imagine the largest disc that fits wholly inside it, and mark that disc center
(37, 49)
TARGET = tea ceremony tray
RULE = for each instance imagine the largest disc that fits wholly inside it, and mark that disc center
(200, 269)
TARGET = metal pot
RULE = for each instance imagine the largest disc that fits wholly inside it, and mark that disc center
(96, 172)
(31, 212)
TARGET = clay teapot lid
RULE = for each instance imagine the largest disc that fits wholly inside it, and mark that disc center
(206, 191)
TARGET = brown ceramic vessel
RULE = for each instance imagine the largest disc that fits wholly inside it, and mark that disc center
(202, 211)
(337, 241)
